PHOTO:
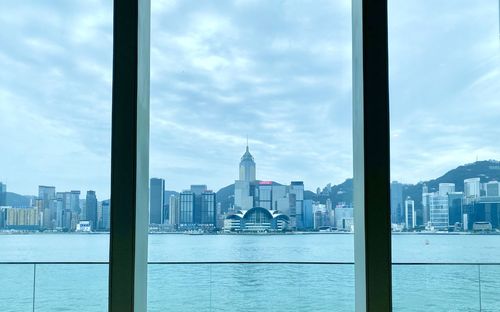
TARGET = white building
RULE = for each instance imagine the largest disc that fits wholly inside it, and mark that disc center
(84, 226)
(410, 217)
(439, 213)
(472, 189)
(344, 218)
(446, 188)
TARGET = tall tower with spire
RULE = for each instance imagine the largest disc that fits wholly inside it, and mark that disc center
(243, 187)
(247, 167)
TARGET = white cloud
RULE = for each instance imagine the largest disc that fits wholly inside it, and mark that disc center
(279, 72)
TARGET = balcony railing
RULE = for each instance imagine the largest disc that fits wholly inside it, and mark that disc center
(248, 286)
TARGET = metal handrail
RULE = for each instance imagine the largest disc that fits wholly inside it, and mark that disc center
(243, 262)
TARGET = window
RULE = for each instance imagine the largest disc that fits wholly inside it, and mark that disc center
(250, 116)
(444, 60)
(55, 120)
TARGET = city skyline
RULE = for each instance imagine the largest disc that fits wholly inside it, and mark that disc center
(262, 206)
(311, 188)
(217, 75)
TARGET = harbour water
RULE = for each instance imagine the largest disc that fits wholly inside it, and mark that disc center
(251, 287)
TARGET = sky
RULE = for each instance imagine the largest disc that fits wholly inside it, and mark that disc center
(278, 72)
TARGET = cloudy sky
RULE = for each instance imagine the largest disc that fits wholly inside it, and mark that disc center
(277, 71)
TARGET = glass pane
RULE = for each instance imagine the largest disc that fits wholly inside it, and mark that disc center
(71, 287)
(55, 121)
(444, 58)
(256, 287)
(17, 292)
(251, 147)
(489, 291)
(436, 288)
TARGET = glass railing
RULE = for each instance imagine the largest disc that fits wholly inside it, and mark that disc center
(53, 286)
(248, 286)
(446, 287)
(251, 286)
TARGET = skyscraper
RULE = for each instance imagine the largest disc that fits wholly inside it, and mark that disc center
(308, 217)
(186, 208)
(3, 194)
(297, 189)
(472, 189)
(156, 200)
(173, 210)
(91, 209)
(425, 205)
(396, 202)
(264, 195)
(75, 202)
(439, 211)
(455, 208)
(46, 194)
(410, 218)
(247, 167)
(105, 215)
(197, 191)
(208, 206)
(245, 186)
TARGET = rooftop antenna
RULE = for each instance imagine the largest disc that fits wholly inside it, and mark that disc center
(247, 142)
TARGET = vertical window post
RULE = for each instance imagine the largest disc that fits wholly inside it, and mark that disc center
(129, 157)
(372, 238)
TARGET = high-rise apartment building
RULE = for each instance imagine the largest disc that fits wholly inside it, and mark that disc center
(156, 200)
(21, 218)
(91, 209)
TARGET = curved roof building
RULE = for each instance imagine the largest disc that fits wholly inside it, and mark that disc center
(256, 220)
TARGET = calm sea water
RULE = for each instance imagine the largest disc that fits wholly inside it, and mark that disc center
(256, 287)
